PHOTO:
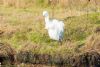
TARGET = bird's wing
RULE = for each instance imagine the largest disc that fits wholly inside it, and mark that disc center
(59, 25)
(55, 24)
(50, 25)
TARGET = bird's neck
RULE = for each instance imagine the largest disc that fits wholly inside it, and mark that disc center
(47, 19)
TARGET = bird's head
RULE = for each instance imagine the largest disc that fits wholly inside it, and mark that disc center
(45, 13)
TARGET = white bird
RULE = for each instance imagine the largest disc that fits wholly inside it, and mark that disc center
(55, 27)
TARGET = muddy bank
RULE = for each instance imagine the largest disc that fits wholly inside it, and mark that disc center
(88, 55)
(7, 54)
(86, 59)
(63, 56)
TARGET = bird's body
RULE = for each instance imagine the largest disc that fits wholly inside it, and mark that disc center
(55, 27)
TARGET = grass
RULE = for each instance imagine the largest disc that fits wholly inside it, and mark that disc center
(23, 28)
(29, 25)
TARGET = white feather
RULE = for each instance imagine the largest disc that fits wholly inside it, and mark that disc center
(55, 27)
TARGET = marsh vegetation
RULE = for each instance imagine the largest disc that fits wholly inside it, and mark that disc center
(25, 42)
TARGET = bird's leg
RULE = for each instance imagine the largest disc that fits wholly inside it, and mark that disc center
(60, 42)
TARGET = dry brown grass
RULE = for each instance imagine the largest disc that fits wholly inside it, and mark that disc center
(64, 3)
(7, 30)
(86, 59)
(92, 42)
(90, 52)
(7, 54)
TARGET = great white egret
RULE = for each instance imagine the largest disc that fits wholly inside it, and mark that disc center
(55, 27)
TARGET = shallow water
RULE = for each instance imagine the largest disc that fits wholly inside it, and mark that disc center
(32, 65)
